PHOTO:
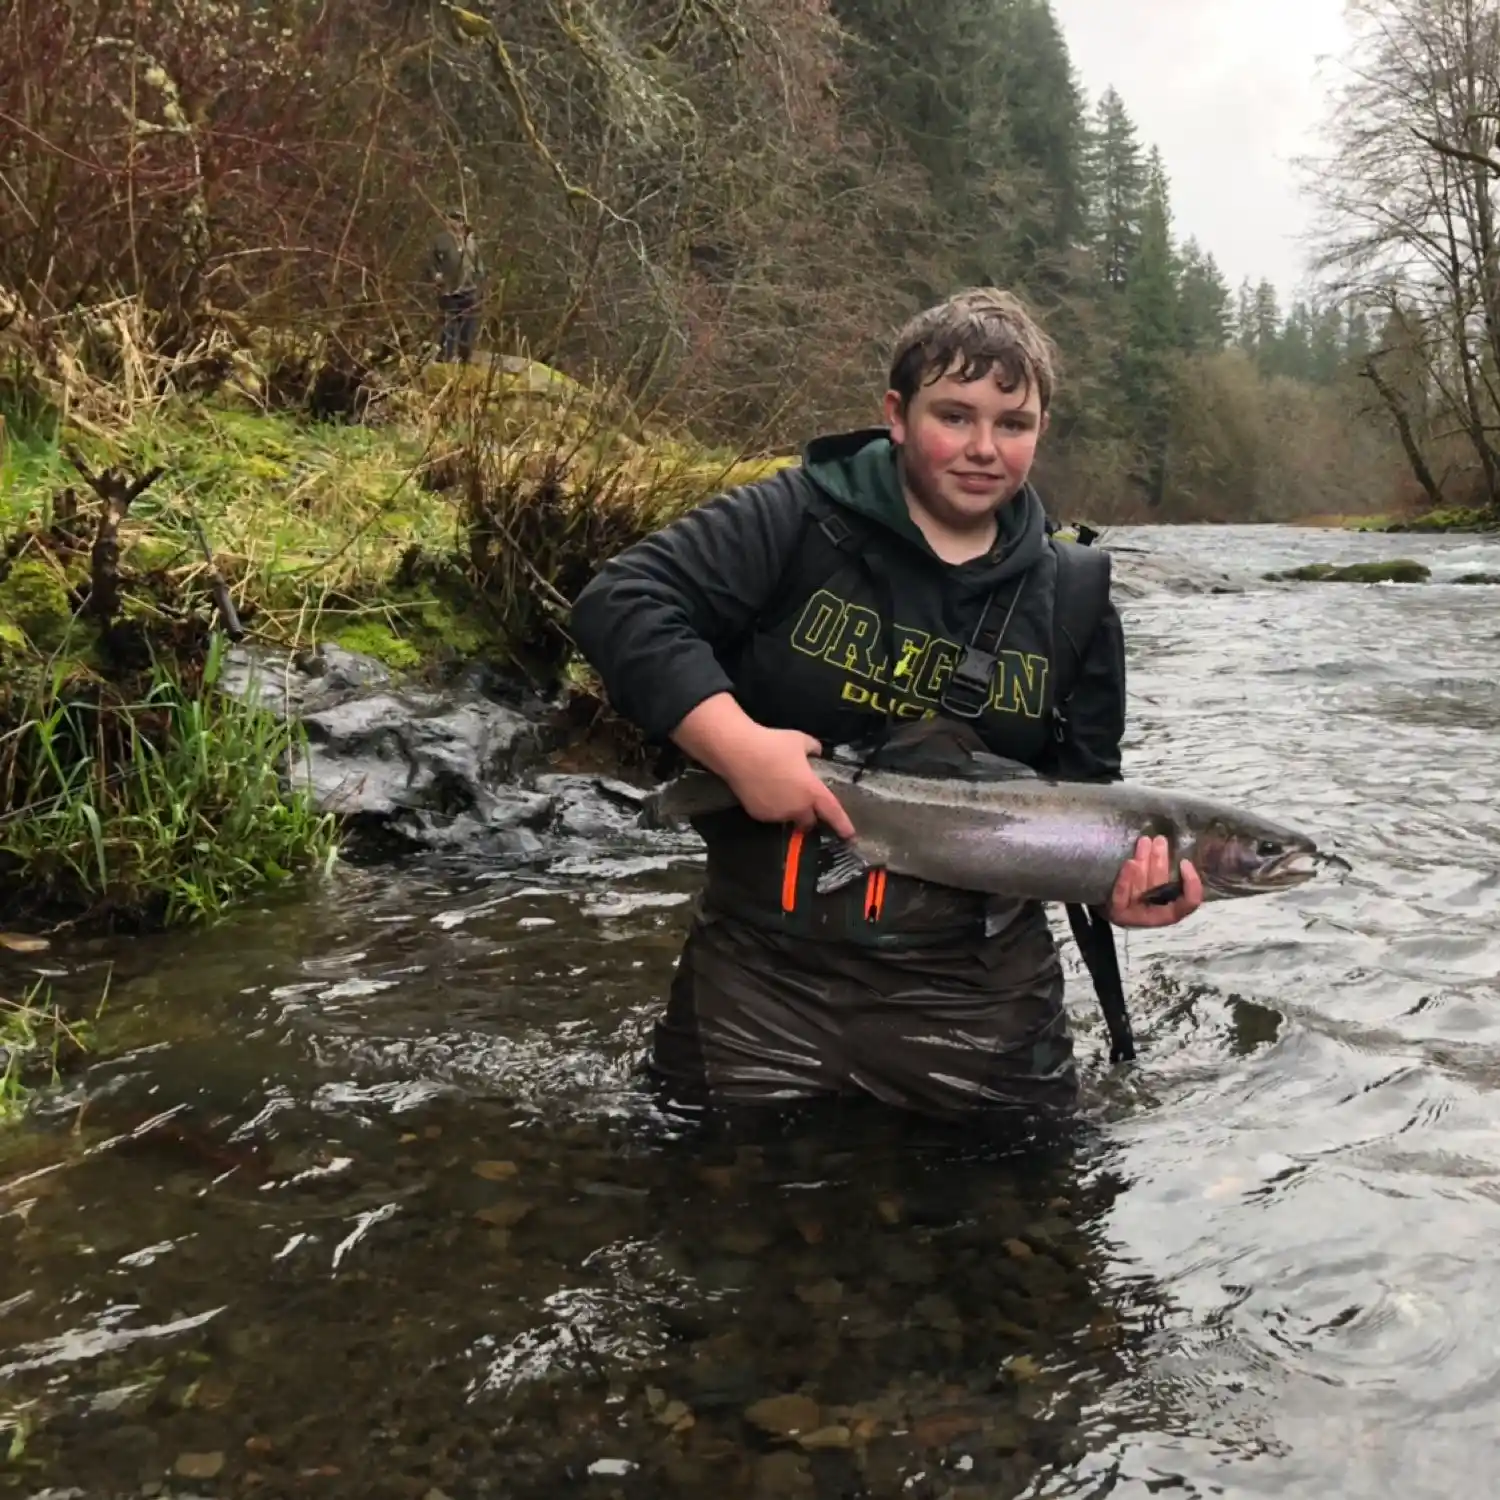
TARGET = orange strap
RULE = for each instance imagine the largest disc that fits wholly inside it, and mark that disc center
(789, 870)
(874, 895)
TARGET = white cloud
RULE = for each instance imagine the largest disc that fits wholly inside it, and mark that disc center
(1231, 90)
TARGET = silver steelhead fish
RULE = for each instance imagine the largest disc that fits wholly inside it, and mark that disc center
(1016, 834)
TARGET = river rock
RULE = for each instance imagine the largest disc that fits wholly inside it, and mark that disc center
(1137, 572)
(785, 1416)
(425, 766)
(1384, 570)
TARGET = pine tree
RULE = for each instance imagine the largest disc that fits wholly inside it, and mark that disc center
(1265, 325)
(1116, 176)
(1204, 320)
(1326, 346)
(1151, 296)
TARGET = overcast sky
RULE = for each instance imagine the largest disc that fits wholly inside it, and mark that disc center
(1230, 90)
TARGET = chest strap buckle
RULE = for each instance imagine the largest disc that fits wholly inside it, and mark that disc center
(967, 694)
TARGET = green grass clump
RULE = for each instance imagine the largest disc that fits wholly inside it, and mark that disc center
(162, 808)
(36, 1042)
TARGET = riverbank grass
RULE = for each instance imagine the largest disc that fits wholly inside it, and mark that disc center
(456, 521)
(37, 1042)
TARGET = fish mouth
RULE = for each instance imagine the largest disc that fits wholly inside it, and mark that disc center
(1295, 867)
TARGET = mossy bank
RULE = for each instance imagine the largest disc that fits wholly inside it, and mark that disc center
(452, 524)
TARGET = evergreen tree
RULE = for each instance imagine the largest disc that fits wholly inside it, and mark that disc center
(1115, 172)
(1244, 317)
(1204, 319)
(1151, 296)
(1265, 325)
(1326, 346)
(1292, 355)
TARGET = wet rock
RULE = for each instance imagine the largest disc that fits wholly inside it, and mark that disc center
(785, 1416)
(939, 1312)
(426, 767)
(504, 1215)
(835, 1436)
(1389, 570)
(198, 1465)
(131, 1450)
(779, 1475)
(824, 1293)
(1137, 572)
(416, 765)
(496, 1171)
(743, 1241)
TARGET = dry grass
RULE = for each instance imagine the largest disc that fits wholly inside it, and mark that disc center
(463, 510)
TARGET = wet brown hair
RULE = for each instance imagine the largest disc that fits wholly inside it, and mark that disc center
(969, 334)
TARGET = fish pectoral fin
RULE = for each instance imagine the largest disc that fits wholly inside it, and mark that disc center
(839, 864)
(1164, 895)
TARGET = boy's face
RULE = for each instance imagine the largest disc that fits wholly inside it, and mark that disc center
(967, 447)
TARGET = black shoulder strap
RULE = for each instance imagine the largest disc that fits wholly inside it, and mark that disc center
(1082, 590)
(830, 536)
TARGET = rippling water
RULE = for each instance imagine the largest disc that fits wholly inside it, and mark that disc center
(371, 1201)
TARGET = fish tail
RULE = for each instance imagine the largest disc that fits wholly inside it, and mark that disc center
(690, 795)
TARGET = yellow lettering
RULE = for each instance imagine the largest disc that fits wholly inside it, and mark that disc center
(1020, 684)
(910, 644)
(880, 703)
(857, 641)
(935, 668)
(820, 619)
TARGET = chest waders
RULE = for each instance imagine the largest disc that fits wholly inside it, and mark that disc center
(829, 543)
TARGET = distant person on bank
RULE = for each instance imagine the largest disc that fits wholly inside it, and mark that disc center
(458, 273)
(902, 574)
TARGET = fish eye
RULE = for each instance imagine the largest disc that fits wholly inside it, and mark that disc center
(1268, 848)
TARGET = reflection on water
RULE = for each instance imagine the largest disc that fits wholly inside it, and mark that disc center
(375, 1203)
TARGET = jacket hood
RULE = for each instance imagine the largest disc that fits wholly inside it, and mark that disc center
(858, 470)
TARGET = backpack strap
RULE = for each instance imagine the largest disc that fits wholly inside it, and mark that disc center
(831, 537)
(1082, 591)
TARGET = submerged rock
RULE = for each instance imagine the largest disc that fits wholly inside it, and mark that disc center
(1138, 572)
(1389, 570)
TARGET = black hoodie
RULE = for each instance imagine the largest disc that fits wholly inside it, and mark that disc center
(700, 608)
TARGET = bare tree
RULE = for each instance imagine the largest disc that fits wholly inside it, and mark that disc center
(1410, 217)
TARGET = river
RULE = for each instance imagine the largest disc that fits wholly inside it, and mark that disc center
(369, 1200)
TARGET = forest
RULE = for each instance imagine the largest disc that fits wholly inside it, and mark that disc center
(722, 209)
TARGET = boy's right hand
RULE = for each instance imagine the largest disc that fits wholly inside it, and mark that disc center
(770, 775)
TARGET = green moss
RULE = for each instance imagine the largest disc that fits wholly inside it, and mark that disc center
(1452, 518)
(34, 600)
(147, 553)
(1491, 578)
(381, 642)
(1395, 570)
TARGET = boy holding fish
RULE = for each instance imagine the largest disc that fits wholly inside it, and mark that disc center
(901, 579)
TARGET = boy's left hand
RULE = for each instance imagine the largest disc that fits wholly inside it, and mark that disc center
(1150, 870)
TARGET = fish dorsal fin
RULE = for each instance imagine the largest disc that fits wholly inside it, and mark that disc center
(937, 747)
(987, 767)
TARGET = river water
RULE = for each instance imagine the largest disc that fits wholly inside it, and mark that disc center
(368, 1199)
